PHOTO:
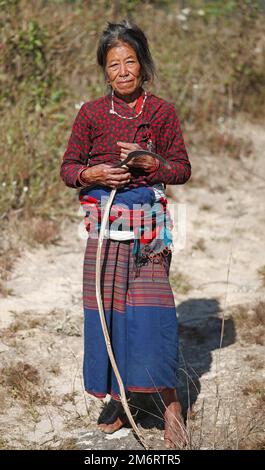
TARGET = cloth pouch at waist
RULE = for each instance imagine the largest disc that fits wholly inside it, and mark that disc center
(125, 196)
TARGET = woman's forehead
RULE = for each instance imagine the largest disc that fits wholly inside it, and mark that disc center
(121, 49)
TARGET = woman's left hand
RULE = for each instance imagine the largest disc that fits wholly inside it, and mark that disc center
(147, 163)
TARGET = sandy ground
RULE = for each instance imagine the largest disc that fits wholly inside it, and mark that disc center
(42, 402)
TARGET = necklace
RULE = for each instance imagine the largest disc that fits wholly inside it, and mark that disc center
(112, 110)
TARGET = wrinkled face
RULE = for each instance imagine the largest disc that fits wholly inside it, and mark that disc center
(123, 69)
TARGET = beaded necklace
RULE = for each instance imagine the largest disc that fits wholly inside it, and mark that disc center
(112, 110)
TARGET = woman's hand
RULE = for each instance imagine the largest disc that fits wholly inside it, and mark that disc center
(106, 175)
(147, 163)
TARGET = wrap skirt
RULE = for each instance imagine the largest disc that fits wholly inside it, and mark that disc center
(141, 318)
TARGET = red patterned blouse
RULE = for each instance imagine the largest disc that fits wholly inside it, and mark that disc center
(96, 131)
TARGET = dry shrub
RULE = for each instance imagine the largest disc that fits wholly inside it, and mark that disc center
(23, 381)
(250, 322)
(253, 436)
(25, 322)
(256, 362)
(3, 402)
(259, 313)
(67, 444)
(179, 282)
(3, 443)
(41, 231)
(256, 388)
(225, 143)
(18, 374)
(69, 397)
(255, 444)
(252, 432)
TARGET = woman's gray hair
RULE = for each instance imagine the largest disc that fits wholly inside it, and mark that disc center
(132, 35)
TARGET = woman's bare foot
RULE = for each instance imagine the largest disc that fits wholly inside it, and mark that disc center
(175, 435)
(111, 428)
(112, 418)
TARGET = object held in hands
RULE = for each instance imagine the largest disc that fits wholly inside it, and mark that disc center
(139, 153)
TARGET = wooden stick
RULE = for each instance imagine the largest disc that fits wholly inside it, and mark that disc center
(123, 398)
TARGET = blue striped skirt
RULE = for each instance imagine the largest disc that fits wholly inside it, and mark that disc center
(141, 317)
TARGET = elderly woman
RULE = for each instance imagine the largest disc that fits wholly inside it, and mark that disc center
(137, 297)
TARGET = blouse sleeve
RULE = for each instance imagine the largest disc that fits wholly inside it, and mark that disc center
(76, 156)
(171, 146)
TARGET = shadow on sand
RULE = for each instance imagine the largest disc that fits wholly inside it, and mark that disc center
(200, 326)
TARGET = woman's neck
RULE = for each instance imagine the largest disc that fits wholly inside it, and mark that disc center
(130, 99)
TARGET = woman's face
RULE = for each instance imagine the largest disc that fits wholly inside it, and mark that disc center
(123, 69)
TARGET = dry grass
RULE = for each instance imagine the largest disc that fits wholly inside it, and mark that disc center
(3, 401)
(256, 388)
(251, 436)
(255, 444)
(237, 422)
(253, 430)
(7, 259)
(55, 443)
(199, 245)
(179, 282)
(67, 444)
(25, 322)
(255, 361)
(197, 181)
(250, 322)
(69, 397)
(261, 273)
(24, 383)
(3, 444)
(41, 231)
(225, 143)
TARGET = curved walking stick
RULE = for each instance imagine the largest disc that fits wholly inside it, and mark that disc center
(103, 320)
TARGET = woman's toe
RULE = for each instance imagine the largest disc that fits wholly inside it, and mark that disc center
(113, 427)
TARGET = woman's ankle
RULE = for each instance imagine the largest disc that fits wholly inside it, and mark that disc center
(168, 396)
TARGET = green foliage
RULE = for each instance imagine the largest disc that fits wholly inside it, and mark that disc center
(24, 59)
(8, 4)
(31, 43)
(219, 7)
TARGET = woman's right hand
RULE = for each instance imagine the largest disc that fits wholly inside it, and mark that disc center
(106, 175)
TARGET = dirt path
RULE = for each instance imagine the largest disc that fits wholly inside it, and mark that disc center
(216, 276)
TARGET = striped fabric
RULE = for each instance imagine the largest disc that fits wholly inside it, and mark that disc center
(141, 317)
